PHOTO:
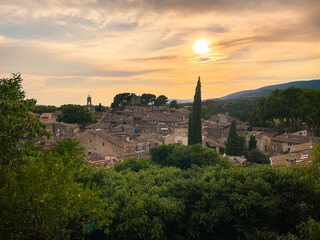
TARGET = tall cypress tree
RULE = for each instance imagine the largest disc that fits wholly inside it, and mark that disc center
(252, 142)
(190, 129)
(195, 126)
(233, 140)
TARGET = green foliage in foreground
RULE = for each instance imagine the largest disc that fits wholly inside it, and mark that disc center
(199, 203)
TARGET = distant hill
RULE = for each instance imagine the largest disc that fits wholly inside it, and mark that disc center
(265, 91)
(180, 101)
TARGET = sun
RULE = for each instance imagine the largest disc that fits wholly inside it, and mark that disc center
(201, 46)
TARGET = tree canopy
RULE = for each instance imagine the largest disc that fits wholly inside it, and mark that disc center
(161, 100)
(76, 114)
(288, 108)
(148, 98)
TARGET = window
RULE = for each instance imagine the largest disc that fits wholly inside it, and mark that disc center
(274, 147)
(266, 141)
(103, 144)
(180, 141)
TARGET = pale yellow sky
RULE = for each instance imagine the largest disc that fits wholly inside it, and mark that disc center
(68, 49)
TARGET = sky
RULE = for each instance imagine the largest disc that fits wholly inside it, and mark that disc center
(68, 49)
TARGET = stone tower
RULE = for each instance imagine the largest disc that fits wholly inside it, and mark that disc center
(90, 107)
(89, 103)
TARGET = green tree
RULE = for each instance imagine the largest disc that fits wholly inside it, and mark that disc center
(17, 126)
(76, 114)
(39, 198)
(45, 109)
(190, 130)
(252, 142)
(184, 157)
(256, 156)
(173, 104)
(232, 145)
(121, 100)
(161, 100)
(196, 116)
(148, 98)
(242, 144)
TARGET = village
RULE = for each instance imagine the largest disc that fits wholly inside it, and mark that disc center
(131, 132)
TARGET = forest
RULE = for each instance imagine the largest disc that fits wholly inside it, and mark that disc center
(181, 192)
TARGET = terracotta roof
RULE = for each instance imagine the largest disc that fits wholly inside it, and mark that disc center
(95, 157)
(100, 125)
(161, 117)
(71, 125)
(261, 134)
(110, 137)
(290, 159)
(46, 115)
(36, 115)
(296, 139)
(302, 147)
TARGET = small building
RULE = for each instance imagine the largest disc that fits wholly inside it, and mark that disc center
(179, 135)
(290, 159)
(61, 130)
(284, 142)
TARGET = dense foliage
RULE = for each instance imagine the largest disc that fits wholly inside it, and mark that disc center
(39, 198)
(16, 123)
(256, 156)
(76, 114)
(243, 109)
(203, 203)
(184, 157)
(45, 109)
(289, 108)
(123, 99)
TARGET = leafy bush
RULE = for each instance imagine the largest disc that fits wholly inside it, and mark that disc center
(184, 157)
(256, 156)
(132, 164)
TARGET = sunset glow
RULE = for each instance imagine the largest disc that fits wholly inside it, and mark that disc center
(66, 50)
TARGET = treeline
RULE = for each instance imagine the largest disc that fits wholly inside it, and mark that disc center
(51, 109)
(243, 109)
(288, 109)
(123, 99)
(182, 192)
(285, 110)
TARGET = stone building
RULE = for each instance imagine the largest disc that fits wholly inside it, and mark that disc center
(61, 130)
(106, 143)
(284, 142)
(135, 100)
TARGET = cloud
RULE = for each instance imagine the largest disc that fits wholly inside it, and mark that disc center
(110, 46)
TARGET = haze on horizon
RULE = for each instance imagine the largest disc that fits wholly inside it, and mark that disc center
(66, 50)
